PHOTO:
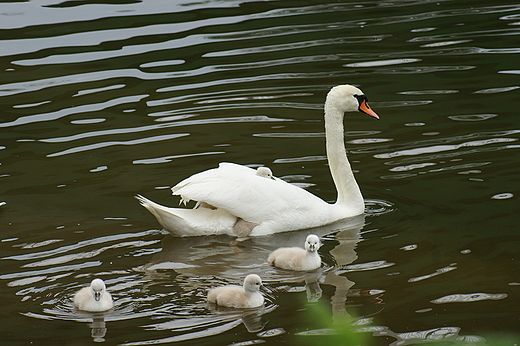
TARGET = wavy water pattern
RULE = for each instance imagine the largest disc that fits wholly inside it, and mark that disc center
(105, 100)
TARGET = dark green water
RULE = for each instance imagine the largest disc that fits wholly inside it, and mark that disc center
(104, 100)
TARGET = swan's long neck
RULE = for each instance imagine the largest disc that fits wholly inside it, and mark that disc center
(349, 193)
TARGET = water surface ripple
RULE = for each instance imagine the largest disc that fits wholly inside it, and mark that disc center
(102, 101)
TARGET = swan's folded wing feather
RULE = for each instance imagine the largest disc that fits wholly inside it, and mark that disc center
(249, 196)
(224, 170)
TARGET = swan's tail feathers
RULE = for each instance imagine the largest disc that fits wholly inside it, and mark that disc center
(167, 217)
(184, 222)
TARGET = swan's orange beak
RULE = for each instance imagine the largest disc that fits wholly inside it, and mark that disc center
(365, 108)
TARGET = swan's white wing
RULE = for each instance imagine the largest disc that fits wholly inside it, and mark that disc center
(244, 194)
(233, 167)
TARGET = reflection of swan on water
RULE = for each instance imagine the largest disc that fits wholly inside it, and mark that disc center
(312, 285)
(190, 258)
(222, 320)
(95, 320)
(344, 253)
(99, 328)
(296, 258)
(251, 318)
(237, 195)
(346, 233)
(195, 264)
(234, 296)
(311, 280)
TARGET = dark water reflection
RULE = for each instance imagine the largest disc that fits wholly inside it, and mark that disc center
(101, 101)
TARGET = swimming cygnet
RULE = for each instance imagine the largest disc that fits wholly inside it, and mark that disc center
(264, 172)
(234, 296)
(295, 258)
(94, 298)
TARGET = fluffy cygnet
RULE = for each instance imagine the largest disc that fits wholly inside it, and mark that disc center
(94, 298)
(264, 172)
(295, 258)
(234, 296)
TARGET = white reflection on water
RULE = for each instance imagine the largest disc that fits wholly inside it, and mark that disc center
(496, 90)
(505, 195)
(189, 58)
(98, 90)
(166, 159)
(467, 34)
(472, 117)
(428, 92)
(109, 132)
(199, 263)
(436, 273)
(469, 297)
(199, 327)
(36, 118)
(441, 148)
(434, 335)
(219, 257)
(382, 62)
(444, 43)
(296, 45)
(99, 145)
(417, 155)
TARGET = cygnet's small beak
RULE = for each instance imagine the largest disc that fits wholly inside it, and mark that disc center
(97, 296)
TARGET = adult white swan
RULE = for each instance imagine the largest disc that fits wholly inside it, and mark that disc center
(235, 200)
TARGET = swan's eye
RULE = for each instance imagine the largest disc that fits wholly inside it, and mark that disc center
(361, 98)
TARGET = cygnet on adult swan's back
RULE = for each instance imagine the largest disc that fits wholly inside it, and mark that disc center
(233, 197)
(94, 298)
(264, 172)
(240, 297)
(296, 258)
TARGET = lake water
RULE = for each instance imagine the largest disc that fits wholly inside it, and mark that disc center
(103, 100)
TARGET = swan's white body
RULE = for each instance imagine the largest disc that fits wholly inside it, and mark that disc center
(240, 201)
(241, 297)
(94, 298)
(296, 258)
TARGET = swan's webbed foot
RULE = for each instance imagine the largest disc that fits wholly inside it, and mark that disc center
(243, 228)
